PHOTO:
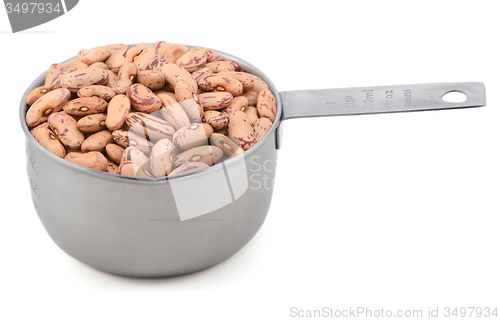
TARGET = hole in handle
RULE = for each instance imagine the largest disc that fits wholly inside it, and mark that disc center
(454, 96)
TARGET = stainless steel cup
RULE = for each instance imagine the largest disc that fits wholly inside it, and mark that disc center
(157, 227)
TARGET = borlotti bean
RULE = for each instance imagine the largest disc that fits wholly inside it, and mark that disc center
(149, 126)
(85, 106)
(216, 119)
(49, 140)
(266, 104)
(100, 91)
(93, 160)
(78, 79)
(192, 136)
(188, 99)
(56, 82)
(112, 168)
(162, 158)
(36, 93)
(151, 78)
(260, 127)
(209, 155)
(114, 152)
(143, 99)
(252, 114)
(126, 77)
(118, 108)
(97, 141)
(215, 100)
(92, 123)
(53, 71)
(172, 111)
(52, 102)
(216, 82)
(240, 127)
(149, 110)
(66, 129)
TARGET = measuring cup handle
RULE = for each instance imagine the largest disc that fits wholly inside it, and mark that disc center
(376, 100)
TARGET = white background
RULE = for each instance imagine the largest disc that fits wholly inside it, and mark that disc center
(395, 211)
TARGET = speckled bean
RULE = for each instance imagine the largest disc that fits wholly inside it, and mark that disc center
(85, 106)
(145, 58)
(47, 104)
(216, 82)
(209, 53)
(78, 79)
(218, 66)
(192, 136)
(173, 52)
(157, 63)
(56, 82)
(36, 93)
(192, 60)
(173, 73)
(97, 141)
(240, 127)
(65, 128)
(237, 103)
(48, 139)
(215, 100)
(172, 111)
(116, 46)
(128, 55)
(126, 138)
(209, 155)
(42, 125)
(246, 80)
(160, 48)
(200, 73)
(266, 104)
(161, 159)
(151, 78)
(96, 54)
(149, 126)
(92, 123)
(114, 55)
(260, 128)
(251, 112)
(143, 99)
(126, 77)
(100, 91)
(258, 84)
(118, 108)
(112, 79)
(114, 152)
(94, 160)
(216, 119)
(229, 145)
(236, 65)
(134, 163)
(251, 96)
(77, 65)
(99, 64)
(189, 101)
(112, 168)
(53, 71)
